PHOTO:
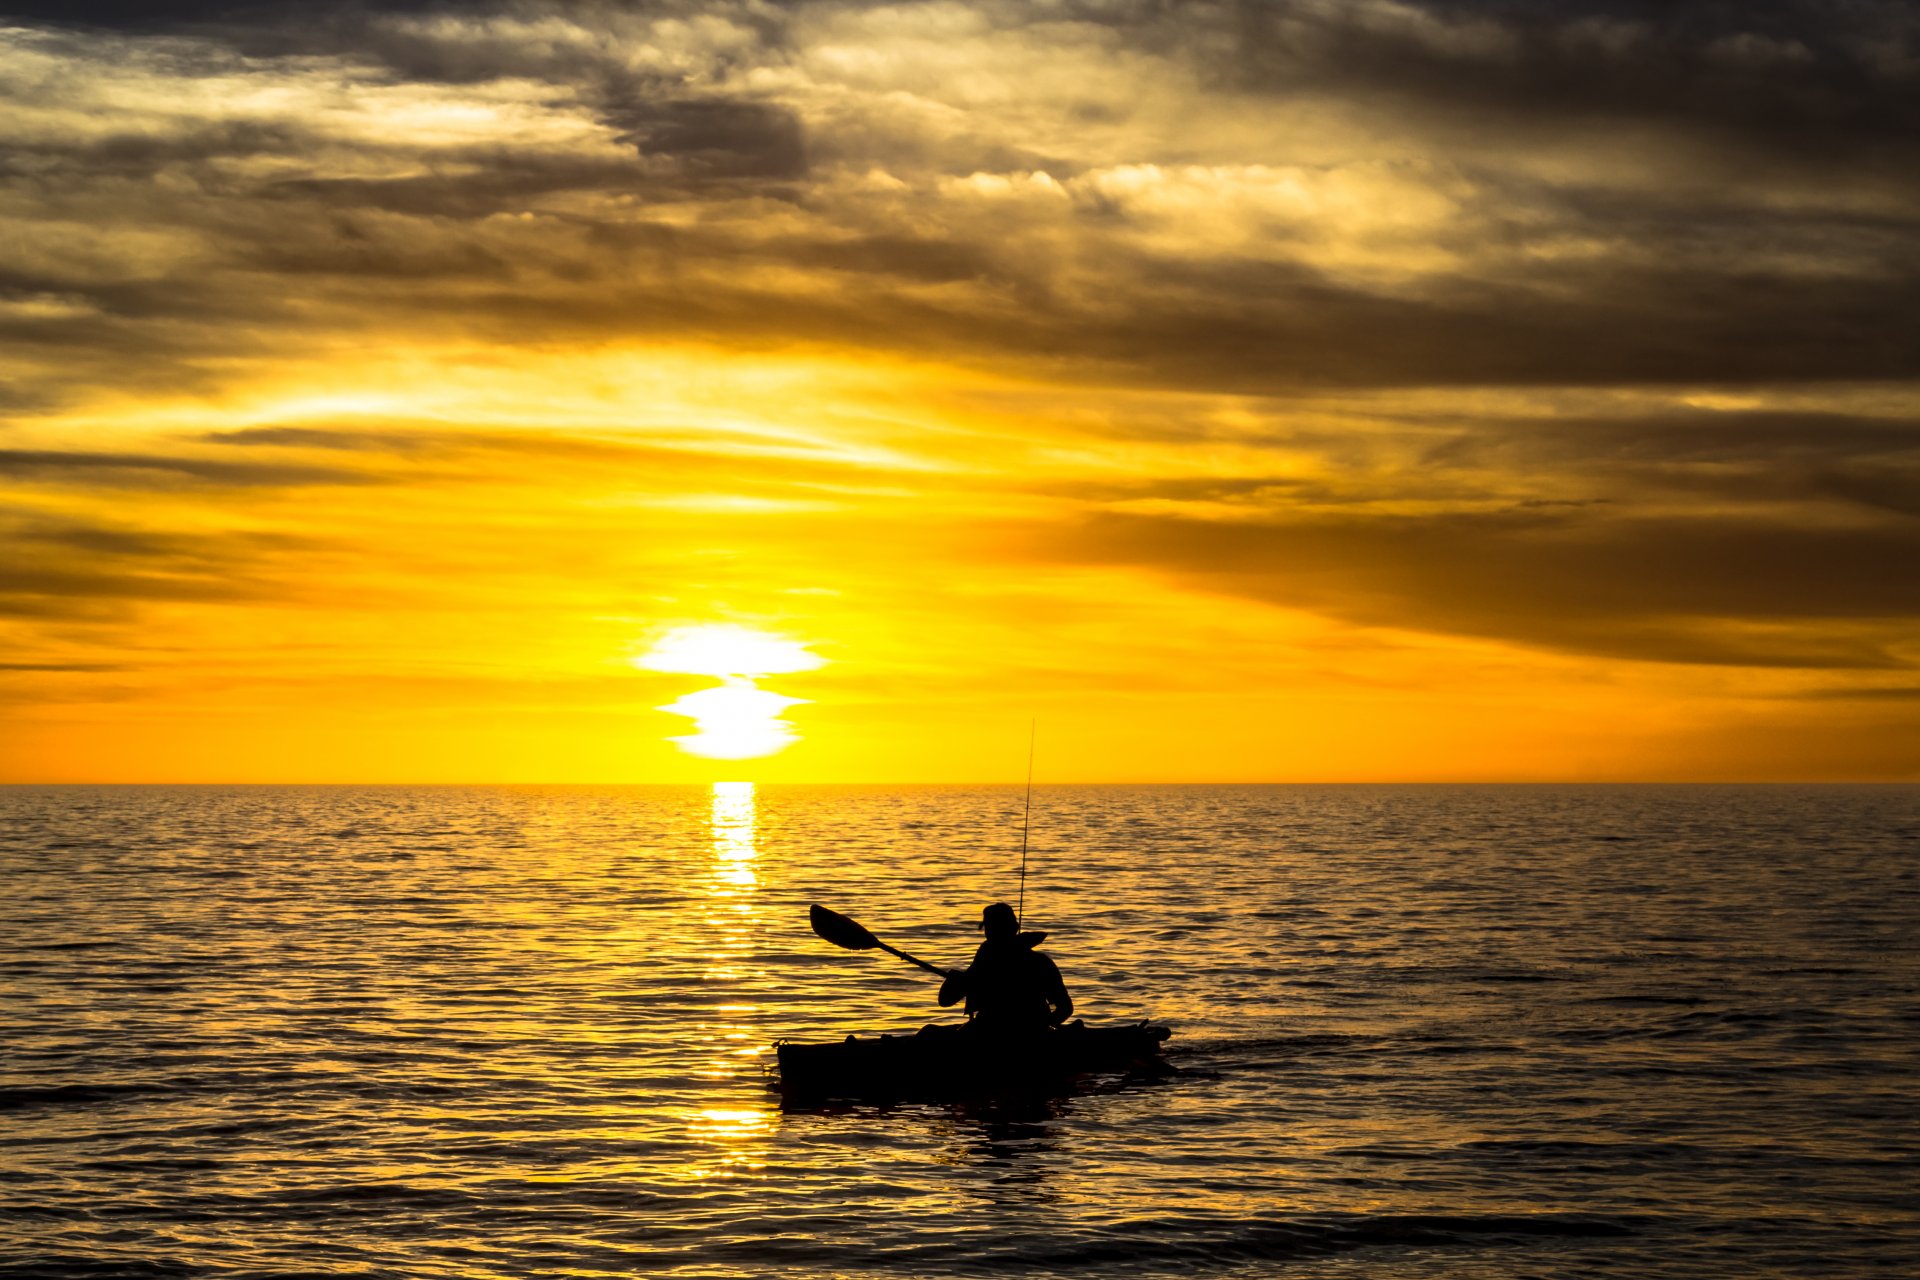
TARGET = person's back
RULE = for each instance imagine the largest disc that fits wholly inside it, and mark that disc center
(1010, 986)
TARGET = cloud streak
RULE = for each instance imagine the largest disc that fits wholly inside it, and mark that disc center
(1690, 590)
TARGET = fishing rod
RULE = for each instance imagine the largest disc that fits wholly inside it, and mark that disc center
(1026, 823)
(844, 931)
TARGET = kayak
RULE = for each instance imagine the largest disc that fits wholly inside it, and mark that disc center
(961, 1061)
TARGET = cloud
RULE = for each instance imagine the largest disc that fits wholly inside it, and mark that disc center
(72, 557)
(1307, 195)
(154, 470)
(1714, 589)
(47, 585)
(715, 137)
(1721, 537)
(1779, 458)
(1785, 80)
(334, 438)
(1866, 693)
(71, 667)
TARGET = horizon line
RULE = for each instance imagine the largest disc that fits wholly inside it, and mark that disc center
(1018, 783)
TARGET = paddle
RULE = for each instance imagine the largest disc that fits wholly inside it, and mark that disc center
(843, 931)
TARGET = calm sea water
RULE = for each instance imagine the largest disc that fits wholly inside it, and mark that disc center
(1423, 1031)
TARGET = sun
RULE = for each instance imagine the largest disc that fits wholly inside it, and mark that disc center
(724, 649)
(735, 719)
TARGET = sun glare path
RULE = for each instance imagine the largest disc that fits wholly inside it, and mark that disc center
(733, 821)
(730, 1136)
(736, 719)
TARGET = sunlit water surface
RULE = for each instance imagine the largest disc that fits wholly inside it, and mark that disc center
(1479, 1032)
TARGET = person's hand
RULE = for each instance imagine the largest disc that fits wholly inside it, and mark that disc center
(954, 989)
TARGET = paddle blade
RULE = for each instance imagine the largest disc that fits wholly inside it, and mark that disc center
(839, 930)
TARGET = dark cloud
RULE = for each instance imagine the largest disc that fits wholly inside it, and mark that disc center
(355, 251)
(323, 438)
(134, 154)
(1871, 693)
(714, 137)
(409, 441)
(52, 590)
(151, 471)
(443, 202)
(1250, 327)
(1822, 82)
(94, 569)
(78, 667)
(129, 543)
(1794, 469)
(1254, 327)
(1702, 436)
(1247, 326)
(132, 15)
(1772, 457)
(202, 15)
(112, 542)
(1709, 589)
(930, 259)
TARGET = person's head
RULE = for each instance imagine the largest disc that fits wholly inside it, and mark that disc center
(999, 921)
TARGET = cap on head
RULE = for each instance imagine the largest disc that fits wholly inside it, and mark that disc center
(999, 921)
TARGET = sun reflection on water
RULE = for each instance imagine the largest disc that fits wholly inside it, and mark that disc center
(734, 1124)
(731, 1042)
(733, 820)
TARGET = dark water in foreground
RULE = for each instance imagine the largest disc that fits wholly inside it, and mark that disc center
(1434, 1031)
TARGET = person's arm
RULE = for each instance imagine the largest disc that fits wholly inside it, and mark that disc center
(1059, 1003)
(959, 984)
(954, 989)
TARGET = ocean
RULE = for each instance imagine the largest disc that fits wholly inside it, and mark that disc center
(1433, 1031)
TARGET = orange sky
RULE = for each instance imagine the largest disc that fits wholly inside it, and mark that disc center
(1366, 393)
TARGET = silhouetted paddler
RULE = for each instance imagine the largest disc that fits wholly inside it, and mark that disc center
(1015, 1001)
(1009, 986)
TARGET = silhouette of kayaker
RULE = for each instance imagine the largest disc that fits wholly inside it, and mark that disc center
(1014, 997)
(1009, 986)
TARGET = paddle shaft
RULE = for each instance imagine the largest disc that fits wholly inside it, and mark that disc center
(934, 969)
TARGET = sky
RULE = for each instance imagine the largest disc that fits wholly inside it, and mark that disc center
(1279, 391)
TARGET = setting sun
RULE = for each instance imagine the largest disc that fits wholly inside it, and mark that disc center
(727, 650)
(736, 719)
